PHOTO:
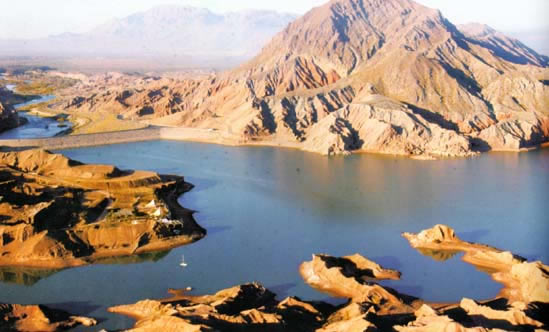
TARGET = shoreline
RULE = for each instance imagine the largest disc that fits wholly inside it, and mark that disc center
(154, 133)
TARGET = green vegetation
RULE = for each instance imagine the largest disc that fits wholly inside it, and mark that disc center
(45, 85)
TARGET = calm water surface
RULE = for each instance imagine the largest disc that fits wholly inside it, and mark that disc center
(36, 127)
(267, 210)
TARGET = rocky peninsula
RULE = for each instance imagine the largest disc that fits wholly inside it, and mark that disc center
(56, 212)
(521, 306)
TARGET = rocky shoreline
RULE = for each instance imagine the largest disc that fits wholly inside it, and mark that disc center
(155, 133)
(521, 306)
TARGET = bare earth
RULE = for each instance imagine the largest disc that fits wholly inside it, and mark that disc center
(353, 75)
(521, 306)
(56, 212)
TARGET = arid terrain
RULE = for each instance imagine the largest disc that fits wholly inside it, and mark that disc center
(350, 76)
(34, 318)
(520, 306)
(353, 75)
(390, 77)
(56, 212)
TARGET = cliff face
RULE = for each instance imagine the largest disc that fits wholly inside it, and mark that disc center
(56, 212)
(452, 90)
(8, 118)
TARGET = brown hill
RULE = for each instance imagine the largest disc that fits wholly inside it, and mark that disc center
(388, 76)
(56, 212)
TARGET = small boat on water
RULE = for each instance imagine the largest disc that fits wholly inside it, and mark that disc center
(183, 263)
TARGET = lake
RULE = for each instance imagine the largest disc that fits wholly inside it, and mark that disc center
(267, 210)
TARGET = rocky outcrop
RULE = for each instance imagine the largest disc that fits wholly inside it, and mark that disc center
(428, 320)
(381, 125)
(360, 75)
(249, 307)
(523, 281)
(348, 277)
(56, 212)
(8, 118)
(370, 306)
(37, 318)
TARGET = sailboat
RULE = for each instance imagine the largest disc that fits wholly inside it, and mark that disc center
(183, 263)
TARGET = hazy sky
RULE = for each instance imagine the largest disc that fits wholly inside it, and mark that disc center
(40, 18)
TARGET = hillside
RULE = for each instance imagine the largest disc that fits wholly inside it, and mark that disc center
(387, 76)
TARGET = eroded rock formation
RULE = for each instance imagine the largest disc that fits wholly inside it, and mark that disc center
(8, 117)
(523, 281)
(386, 76)
(249, 307)
(35, 318)
(56, 212)
(522, 306)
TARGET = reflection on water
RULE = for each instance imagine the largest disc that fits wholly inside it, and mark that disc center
(29, 276)
(24, 276)
(134, 259)
(270, 209)
(438, 255)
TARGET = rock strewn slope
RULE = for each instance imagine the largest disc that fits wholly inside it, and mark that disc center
(55, 212)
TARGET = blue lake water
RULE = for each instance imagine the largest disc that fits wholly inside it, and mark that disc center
(267, 210)
(36, 127)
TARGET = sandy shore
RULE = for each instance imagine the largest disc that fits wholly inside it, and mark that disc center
(171, 133)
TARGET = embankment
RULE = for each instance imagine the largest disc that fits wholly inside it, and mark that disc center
(139, 135)
(77, 141)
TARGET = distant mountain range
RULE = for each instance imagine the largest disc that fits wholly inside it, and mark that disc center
(389, 76)
(163, 31)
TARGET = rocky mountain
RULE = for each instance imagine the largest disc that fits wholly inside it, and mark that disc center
(388, 76)
(164, 31)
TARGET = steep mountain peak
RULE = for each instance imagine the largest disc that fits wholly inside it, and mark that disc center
(347, 33)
